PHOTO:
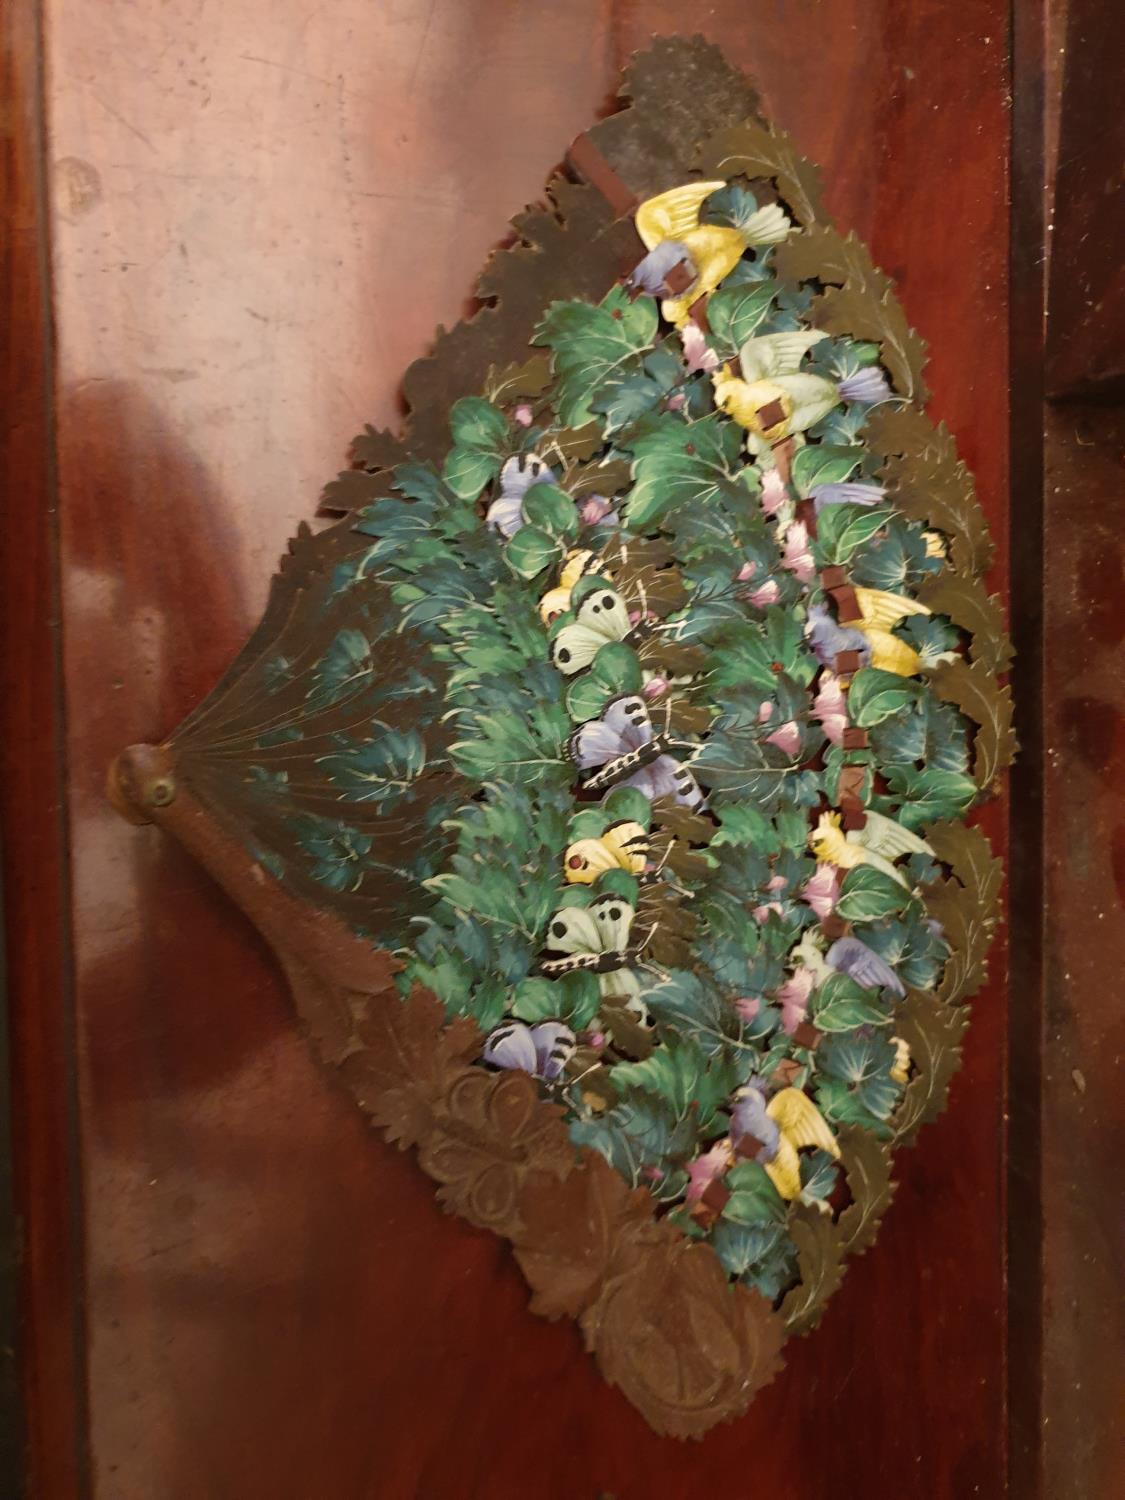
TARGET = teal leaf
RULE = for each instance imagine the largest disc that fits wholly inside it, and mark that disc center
(617, 668)
(551, 510)
(840, 1004)
(466, 471)
(841, 529)
(818, 464)
(734, 313)
(594, 346)
(477, 425)
(680, 464)
(867, 894)
(530, 551)
(874, 695)
(624, 804)
(753, 1197)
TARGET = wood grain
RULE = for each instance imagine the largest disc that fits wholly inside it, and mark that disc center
(260, 213)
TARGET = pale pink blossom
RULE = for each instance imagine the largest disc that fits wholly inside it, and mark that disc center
(697, 352)
(748, 1007)
(747, 570)
(706, 1169)
(676, 402)
(787, 738)
(523, 415)
(830, 707)
(765, 712)
(767, 594)
(761, 913)
(776, 883)
(595, 508)
(822, 890)
(774, 493)
(793, 997)
(797, 557)
(655, 687)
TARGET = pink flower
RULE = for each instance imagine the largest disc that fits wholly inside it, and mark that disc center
(776, 883)
(676, 402)
(706, 1169)
(774, 492)
(697, 352)
(787, 738)
(767, 594)
(793, 997)
(797, 557)
(597, 1040)
(655, 687)
(822, 890)
(830, 707)
(747, 570)
(653, 1173)
(765, 712)
(522, 415)
(595, 508)
(748, 1007)
(761, 913)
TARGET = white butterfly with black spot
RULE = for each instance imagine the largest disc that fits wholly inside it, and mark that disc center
(594, 938)
(601, 618)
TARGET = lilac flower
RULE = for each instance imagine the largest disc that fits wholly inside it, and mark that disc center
(787, 738)
(822, 890)
(848, 493)
(774, 492)
(697, 352)
(830, 707)
(793, 997)
(706, 1169)
(649, 275)
(868, 386)
(597, 508)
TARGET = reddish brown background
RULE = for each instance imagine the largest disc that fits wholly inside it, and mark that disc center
(258, 211)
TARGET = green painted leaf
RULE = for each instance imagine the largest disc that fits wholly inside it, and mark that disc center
(467, 471)
(818, 464)
(753, 1197)
(594, 346)
(616, 667)
(867, 894)
(625, 804)
(734, 313)
(530, 551)
(477, 425)
(931, 795)
(551, 510)
(841, 529)
(586, 697)
(840, 1004)
(536, 1000)
(683, 464)
(874, 695)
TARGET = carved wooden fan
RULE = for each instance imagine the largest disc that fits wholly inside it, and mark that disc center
(600, 777)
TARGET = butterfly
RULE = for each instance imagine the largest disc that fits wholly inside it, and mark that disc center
(542, 1050)
(578, 563)
(602, 617)
(517, 476)
(626, 747)
(594, 938)
(623, 846)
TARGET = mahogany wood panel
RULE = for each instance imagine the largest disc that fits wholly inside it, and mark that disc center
(260, 212)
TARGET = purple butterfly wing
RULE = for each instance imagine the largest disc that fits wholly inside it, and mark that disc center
(511, 1046)
(623, 726)
(859, 962)
(667, 778)
(554, 1046)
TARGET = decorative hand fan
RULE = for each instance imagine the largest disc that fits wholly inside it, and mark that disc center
(600, 778)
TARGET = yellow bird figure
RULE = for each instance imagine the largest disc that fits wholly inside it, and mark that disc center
(774, 399)
(878, 613)
(880, 841)
(623, 846)
(783, 1126)
(670, 228)
(578, 563)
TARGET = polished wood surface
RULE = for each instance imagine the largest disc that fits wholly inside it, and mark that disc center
(260, 213)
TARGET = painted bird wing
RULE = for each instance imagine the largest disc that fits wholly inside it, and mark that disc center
(775, 354)
(800, 1121)
(884, 610)
(671, 215)
(890, 839)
